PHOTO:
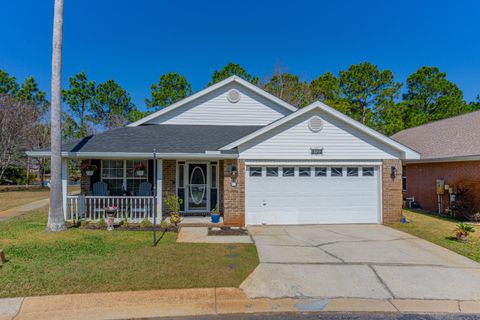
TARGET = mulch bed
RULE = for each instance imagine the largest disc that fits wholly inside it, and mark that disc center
(227, 231)
(130, 227)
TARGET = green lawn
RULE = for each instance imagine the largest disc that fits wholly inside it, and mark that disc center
(439, 230)
(80, 260)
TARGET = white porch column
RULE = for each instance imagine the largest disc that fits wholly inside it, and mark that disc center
(159, 189)
(64, 186)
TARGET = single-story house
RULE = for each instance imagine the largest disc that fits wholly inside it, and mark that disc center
(256, 158)
(450, 157)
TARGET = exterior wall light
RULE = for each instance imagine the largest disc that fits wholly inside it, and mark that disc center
(393, 172)
(234, 175)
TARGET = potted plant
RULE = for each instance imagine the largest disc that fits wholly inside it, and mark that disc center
(90, 169)
(463, 230)
(215, 215)
(110, 211)
(139, 169)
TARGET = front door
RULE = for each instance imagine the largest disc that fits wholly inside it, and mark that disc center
(197, 187)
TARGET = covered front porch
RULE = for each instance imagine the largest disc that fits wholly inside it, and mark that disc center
(138, 187)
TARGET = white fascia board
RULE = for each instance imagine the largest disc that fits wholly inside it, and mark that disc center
(214, 87)
(445, 159)
(130, 155)
(407, 152)
(312, 163)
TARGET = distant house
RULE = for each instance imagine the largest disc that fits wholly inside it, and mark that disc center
(450, 152)
(252, 156)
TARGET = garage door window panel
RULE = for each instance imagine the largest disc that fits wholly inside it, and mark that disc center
(255, 171)
(288, 171)
(368, 171)
(304, 172)
(352, 172)
(336, 172)
(272, 172)
(320, 172)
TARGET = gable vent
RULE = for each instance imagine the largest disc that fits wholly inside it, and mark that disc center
(315, 124)
(233, 96)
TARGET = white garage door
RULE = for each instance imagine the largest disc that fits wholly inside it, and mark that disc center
(312, 195)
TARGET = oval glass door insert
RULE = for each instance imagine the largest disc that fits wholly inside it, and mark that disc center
(198, 185)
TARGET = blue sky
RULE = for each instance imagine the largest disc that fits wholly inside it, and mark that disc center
(134, 42)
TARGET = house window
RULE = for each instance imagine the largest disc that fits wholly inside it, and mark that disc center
(352, 172)
(336, 172)
(304, 172)
(181, 175)
(404, 178)
(255, 171)
(272, 172)
(121, 175)
(368, 171)
(320, 172)
(288, 172)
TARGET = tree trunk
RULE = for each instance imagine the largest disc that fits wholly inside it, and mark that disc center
(55, 215)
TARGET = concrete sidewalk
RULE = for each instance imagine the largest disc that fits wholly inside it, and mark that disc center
(214, 301)
(18, 211)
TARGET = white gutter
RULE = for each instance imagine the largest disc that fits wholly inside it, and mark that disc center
(445, 159)
(133, 155)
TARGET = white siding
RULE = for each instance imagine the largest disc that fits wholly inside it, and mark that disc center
(215, 109)
(293, 140)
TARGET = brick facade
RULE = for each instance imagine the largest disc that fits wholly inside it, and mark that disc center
(84, 179)
(421, 181)
(234, 197)
(169, 182)
(392, 198)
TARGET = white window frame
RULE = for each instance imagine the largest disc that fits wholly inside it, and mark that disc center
(124, 177)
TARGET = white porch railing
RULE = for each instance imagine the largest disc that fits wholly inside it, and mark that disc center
(90, 208)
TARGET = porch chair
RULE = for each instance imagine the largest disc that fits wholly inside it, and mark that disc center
(100, 189)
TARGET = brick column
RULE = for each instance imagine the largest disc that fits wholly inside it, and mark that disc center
(234, 197)
(169, 182)
(392, 191)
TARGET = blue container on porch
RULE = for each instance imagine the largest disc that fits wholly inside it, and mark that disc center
(215, 218)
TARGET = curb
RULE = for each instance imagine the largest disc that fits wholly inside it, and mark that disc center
(211, 301)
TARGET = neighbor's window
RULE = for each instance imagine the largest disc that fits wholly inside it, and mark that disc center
(272, 172)
(320, 172)
(352, 172)
(288, 172)
(255, 171)
(304, 172)
(336, 172)
(404, 178)
(367, 171)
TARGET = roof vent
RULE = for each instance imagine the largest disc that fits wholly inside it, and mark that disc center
(233, 96)
(315, 124)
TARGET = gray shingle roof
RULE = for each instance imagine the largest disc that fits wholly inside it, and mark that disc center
(453, 137)
(163, 138)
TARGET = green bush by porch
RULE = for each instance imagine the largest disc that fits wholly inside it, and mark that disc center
(77, 260)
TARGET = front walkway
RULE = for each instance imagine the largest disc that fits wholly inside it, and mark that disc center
(18, 211)
(195, 302)
(357, 261)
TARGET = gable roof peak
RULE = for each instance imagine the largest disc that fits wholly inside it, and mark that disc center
(212, 88)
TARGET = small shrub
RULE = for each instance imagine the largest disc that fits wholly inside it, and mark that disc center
(463, 230)
(146, 223)
(164, 225)
(174, 203)
(102, 223)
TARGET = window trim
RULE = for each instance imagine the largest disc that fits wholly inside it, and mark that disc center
(124, 177)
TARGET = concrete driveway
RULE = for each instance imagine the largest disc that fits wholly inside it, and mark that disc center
(357, 261)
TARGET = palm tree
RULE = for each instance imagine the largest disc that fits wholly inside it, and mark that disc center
(55, 214)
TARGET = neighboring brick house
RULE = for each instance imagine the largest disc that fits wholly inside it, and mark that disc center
(450, 152)
(256, 158)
